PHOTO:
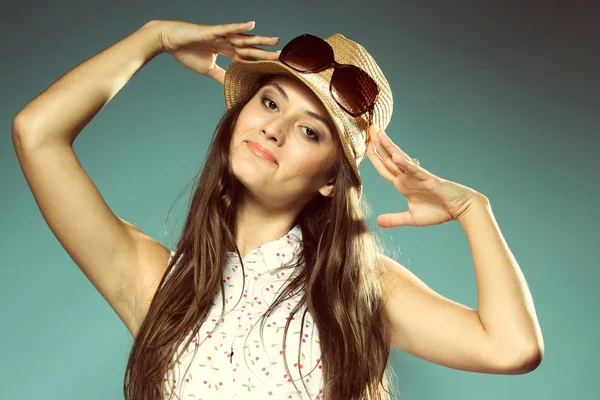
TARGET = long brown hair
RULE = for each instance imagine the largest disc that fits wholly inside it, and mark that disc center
(340, 277)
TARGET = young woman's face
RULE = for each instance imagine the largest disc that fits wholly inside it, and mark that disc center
(283, 146)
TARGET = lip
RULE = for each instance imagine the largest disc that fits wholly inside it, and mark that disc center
(261, 152)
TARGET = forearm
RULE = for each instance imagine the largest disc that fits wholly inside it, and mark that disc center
(60, 112)
(505, 305)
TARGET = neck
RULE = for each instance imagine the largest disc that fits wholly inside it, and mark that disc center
(257, 225)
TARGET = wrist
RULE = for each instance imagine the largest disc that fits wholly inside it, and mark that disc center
(153, 31)
(478, 204)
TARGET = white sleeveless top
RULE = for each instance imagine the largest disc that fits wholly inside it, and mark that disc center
(232, 362)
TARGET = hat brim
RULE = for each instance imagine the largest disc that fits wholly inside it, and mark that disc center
(240, 75)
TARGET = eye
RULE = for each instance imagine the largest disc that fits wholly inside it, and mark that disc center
(269, 103)
(311, 134)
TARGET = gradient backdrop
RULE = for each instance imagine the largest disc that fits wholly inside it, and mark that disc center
(499, 96)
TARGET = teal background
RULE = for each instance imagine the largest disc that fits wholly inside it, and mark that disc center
(499, 97)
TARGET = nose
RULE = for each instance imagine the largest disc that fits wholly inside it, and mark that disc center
(274, 130)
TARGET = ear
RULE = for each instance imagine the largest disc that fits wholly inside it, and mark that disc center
(327, 190)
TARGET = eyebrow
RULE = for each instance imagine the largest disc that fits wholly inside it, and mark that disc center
(325, 120)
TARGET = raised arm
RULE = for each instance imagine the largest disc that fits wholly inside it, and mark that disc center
(122, 262)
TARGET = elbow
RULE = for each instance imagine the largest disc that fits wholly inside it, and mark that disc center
(19, 124)
(18, 128)
(529, 362)
(524, 362)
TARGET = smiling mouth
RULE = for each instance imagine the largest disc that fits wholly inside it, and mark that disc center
(261, 152)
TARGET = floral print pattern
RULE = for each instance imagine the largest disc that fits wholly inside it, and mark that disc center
(227, 358)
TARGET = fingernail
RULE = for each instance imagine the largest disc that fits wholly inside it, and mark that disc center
(376, 127)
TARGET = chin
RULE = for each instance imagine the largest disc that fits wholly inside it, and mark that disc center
(258, 183)
(248, 173)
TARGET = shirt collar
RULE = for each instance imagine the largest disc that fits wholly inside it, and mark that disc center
(276, 252)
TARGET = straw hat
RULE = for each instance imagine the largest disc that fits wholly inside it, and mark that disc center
(240, 75)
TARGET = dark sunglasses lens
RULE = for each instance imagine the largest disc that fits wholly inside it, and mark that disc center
(353, 89)
(307, 53)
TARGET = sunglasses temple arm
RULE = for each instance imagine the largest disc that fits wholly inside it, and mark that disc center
(368, 135)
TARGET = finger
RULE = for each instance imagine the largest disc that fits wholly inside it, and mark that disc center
(258, 54)
(379, 165)
(390, 146)
(395, 220)
(222, 46)
(217, 73)
(398, 157)
(244, 40)
(409, 166)
(227, 29)
(386, 157)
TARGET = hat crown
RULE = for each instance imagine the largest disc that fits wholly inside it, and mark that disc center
(347, 51)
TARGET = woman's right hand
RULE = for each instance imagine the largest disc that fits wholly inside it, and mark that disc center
(197, 46)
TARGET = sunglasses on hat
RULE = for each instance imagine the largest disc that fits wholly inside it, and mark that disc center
(351, 87)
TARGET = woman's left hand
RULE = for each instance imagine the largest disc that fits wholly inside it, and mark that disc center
(431, 199)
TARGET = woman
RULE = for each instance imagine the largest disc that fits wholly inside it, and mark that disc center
(275, 232)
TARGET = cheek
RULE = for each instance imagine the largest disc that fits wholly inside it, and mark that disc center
(250, 116)
(312, 164)
(236, 154)
(238, 136)
(235, 135)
